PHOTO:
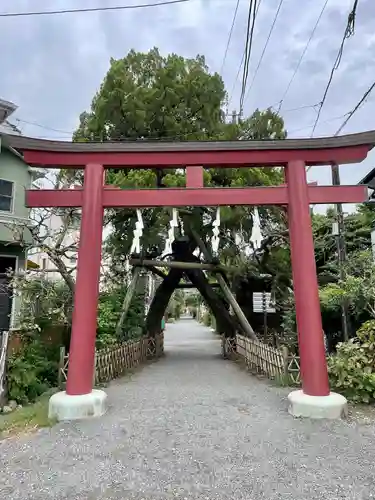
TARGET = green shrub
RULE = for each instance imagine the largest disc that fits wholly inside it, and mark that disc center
(32, 371)
(207, 318)
(352, 369)
(109, 311)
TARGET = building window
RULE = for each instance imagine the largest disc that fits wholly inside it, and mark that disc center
(6, 196)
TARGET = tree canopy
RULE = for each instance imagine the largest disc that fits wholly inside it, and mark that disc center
(151, 97)
(148, 96)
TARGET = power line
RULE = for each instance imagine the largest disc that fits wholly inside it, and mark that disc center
(230, 36)
(349, 31)
(248, 47)
(242, 59)
(329, 120)
(39, 125)
(356, 107)
(265, 47)
(90, 9)
(308, 106)
(303, 54)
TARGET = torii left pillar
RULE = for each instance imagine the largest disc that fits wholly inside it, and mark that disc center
(80, 400)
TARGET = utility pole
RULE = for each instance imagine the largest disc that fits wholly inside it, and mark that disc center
(339, 233)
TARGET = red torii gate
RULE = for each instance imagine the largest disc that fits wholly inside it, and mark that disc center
(315, 399)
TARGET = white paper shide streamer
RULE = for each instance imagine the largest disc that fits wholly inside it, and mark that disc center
(256, 234)
(215, 240)
(173, 223)
(137, 235)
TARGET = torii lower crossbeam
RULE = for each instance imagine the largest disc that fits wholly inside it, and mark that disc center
(142, 198)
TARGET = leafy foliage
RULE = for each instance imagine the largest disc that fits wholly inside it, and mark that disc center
(176, 305)
(44, 302)
(109, 310)
(32, 371)
(352, 369)
(146, 96)
(358, 227)
(358, 287)
(45, 305)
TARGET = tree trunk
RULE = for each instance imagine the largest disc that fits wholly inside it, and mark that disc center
(160, 301)
(183, 252)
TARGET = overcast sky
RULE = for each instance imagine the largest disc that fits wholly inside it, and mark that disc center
(51, 66)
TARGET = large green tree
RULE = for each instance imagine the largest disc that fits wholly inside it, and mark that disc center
(146, 96)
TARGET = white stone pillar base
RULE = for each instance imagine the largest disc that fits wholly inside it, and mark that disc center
(63, 406)
(331, 406)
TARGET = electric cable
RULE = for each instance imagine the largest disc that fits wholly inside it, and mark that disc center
(265, 47)
(349, 31)
(90, 9)
(248, 47)
(303, 54)
(230, 36)
(356, 107)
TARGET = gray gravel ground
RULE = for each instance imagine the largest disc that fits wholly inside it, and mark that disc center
(192, 426)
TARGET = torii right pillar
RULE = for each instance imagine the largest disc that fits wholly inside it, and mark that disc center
(315, 399)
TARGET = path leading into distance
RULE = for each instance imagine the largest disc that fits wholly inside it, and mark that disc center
(192, 426)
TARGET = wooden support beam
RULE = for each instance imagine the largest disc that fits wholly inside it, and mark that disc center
(190, 285)
(247, 328)
(127, 300)
(176, 265)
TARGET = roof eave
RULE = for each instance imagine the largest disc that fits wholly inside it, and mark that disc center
(31, 144)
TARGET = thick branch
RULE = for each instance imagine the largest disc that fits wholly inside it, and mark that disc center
(156, 271)
(160, 301)
(245, 325)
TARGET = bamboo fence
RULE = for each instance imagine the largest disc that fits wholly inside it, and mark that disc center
(114, 361)
(267, 360)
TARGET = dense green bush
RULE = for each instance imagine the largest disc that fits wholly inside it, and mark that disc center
(44, 303)
(288, 335)
(109, 311)
(352, 369)
(32, 371)
(176, 305)
(207, 318)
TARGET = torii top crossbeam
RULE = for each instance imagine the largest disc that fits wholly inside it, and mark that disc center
(233, 154)
(318, 151)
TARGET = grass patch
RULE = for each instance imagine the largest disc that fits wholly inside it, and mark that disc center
(28, 418)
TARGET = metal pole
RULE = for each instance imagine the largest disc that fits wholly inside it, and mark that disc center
(341, 251)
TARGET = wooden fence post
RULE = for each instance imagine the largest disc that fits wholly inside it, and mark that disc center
(285, 352)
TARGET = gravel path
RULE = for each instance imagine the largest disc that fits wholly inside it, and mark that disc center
(192, 426)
